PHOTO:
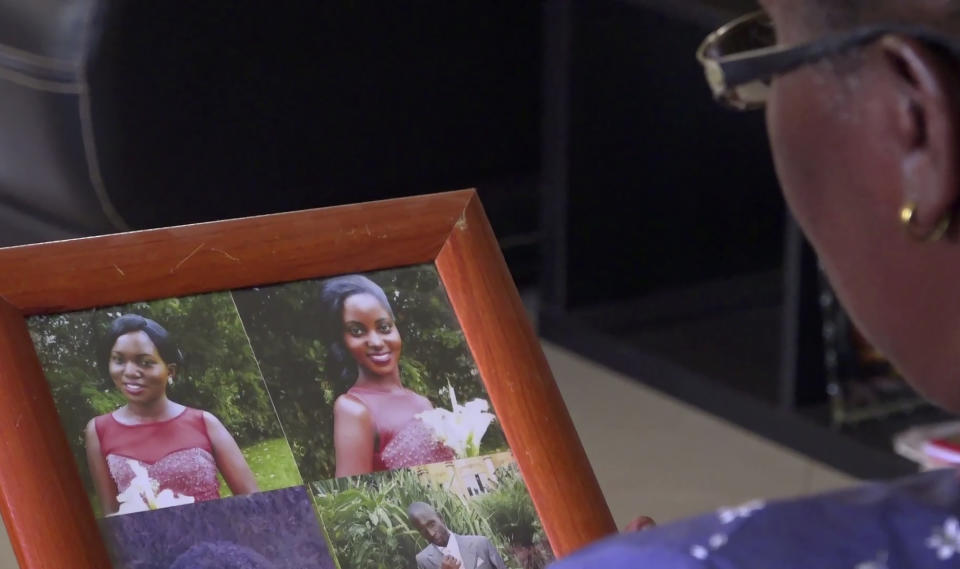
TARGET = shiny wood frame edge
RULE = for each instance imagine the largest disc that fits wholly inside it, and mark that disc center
(42, 499)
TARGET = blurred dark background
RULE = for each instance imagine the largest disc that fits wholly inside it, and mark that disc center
(643, 221)
(218, 110)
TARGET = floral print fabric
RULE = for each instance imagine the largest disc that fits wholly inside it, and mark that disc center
(911, 523)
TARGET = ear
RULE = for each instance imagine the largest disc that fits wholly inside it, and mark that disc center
(926, 91)
(172, 368)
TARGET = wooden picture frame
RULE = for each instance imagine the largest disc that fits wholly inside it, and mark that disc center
(50, 522)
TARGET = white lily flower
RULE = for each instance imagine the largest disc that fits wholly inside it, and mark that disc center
(462, 428)
(453, 397)
(131, 501)
(141, 494)
(167, 498)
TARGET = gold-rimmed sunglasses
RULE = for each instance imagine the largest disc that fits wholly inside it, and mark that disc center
(741, 58)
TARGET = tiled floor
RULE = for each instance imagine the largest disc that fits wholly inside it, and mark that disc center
(658, 457)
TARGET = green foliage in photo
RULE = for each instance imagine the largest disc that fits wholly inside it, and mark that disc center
(365, 519)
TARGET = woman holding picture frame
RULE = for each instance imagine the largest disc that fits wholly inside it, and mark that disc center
(153, 452)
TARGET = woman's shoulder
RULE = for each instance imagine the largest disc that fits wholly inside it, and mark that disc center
(348, 405)
(101, 422)
(96, 425)
(101, 426)
(105, 416)
(421, 400)
(188, 411)
(205, 416)
(206, 419)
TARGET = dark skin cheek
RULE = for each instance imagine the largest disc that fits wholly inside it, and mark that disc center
(819, 149)
(789, 145)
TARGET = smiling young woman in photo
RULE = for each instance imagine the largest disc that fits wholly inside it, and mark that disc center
(374, 426)
(179, 449)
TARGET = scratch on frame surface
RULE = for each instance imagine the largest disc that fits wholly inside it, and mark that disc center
(187, 258)
(225, 254)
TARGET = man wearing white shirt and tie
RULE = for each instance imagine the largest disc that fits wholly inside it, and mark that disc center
(447, 550)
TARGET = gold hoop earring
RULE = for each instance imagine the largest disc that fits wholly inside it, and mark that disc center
(908, 214)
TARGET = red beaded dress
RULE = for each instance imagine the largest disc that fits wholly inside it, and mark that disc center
(176, 453)
(403, 440)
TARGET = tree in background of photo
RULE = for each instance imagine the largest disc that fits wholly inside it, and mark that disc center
(283, 324)
(365, 519)
(219, 374)
(510, 510)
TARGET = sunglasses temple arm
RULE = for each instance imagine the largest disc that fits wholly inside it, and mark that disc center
(741, 70)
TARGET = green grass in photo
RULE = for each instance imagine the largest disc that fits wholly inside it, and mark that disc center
(272, 464)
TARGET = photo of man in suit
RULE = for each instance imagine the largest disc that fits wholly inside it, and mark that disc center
(447, 550)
